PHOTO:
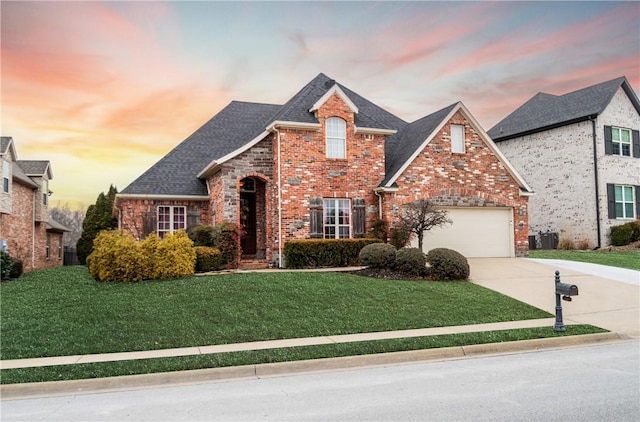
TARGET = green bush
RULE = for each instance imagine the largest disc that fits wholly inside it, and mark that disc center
(314, 253)
(174, 257)
(226, 238)
(379, 229)
(207, 259)
(6, 265)
(17, 269)
(447, 264)
(622, 235)
(117, 256)
(201, 235)
(378, 255)
(411, 261)
(399, 237)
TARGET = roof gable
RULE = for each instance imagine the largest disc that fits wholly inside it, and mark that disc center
(417, 135)
(36, 168)
(335, 89)
(545, 111)
(6, 146)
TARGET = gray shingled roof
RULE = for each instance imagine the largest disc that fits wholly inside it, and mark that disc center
(176, 173)
(34, 168)
(241, 122)
(4, 144)
(18, 174)
(402, 146)
(53, 225)
(546, 111)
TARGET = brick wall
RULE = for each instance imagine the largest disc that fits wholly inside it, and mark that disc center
(476, 178)
(307, 173)
(17, 227)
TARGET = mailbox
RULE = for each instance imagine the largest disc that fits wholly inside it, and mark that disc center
(566, 289)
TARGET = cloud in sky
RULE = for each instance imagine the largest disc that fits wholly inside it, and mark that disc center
(105, 89)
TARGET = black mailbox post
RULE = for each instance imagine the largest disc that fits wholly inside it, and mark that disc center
(565, 291)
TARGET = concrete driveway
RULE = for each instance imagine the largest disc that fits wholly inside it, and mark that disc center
(603, 302)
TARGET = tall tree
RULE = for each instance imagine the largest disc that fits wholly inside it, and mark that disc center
(99, 217)
(72, 219)
(420, 216)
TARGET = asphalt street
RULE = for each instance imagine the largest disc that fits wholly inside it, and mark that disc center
(588, 383)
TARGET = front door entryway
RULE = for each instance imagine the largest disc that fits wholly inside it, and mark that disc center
(248, 220)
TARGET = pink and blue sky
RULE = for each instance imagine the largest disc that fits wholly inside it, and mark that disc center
(105, 89)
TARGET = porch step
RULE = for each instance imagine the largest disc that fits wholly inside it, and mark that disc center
(253, 264)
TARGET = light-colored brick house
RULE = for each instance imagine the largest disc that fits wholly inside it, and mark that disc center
(581, 154)
(325, 165)
(26, 230)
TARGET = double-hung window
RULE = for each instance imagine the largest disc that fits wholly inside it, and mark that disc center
(337, 218)
(621, 141)
(5, 176)
(457, 139)
(336, 135)
(624, 201)
(171, 219)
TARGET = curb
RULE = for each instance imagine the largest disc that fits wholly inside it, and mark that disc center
(257, 371)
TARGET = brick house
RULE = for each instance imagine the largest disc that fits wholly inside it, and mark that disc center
(581, 154)
(26, 230)
(325, 165)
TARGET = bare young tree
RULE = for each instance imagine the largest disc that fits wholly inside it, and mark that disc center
(72, 219)
(420, 216)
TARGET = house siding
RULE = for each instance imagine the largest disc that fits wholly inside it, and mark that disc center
(476, 178)
(6, 161)
(615, 169)
(558, 165)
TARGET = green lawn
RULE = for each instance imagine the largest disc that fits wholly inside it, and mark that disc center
(63, 311)
(621, 259)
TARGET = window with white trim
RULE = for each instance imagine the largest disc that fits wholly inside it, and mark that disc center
(457, 139)
(47, 251)
(5, 176)
(45, 191)
(624, 201)
(621, 141)
(336, 135)
(171, 219)
(337, 218)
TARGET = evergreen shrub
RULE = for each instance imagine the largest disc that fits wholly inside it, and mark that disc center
(6, 265)
(207, 259)
(18, 269)
(314, 253)
(378, 255)
(201, 235)
(411, 261)
(174, 257)
(447, 264)
(226, 238)
(621, 235)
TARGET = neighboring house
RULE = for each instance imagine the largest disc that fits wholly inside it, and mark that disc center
(26, 230)
(581, 154)
(325, 165)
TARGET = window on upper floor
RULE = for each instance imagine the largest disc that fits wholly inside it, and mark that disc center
(45, 191)
(5, 177)
(171, 219)
(621, 141)
(624, 201)
(336, 135)
(457, 139)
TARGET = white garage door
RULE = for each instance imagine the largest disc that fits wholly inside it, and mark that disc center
(475, 233)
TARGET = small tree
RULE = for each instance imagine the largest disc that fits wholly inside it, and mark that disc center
(99, 217)
(421, 215)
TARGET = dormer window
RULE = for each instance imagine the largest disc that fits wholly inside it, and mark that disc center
(336, 134)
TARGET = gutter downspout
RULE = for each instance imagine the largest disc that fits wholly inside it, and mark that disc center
(595, 173)
(379, 204)
(279, 203)
(33, 232)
